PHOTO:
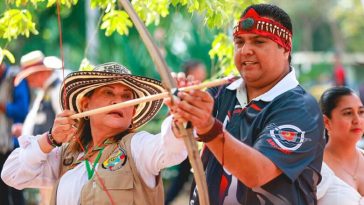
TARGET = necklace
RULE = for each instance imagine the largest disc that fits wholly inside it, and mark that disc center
(91, 171)
(89, 152)
(353, 175)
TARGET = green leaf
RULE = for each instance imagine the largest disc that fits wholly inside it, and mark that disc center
(116, 20)
(223, 50)
(150, 11)
(16, 22)
(86, 65)
(67, 3)
(6, 53)
(102, 3)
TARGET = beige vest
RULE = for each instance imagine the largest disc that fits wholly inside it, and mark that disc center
(125, 185)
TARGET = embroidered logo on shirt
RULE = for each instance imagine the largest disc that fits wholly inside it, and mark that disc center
(116, 160)
(288, 138)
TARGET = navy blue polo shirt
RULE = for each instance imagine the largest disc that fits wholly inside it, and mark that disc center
(285, 124)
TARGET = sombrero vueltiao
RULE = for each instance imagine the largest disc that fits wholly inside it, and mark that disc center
(79, 83)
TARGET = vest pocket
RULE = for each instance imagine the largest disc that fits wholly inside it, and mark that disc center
(119, 184)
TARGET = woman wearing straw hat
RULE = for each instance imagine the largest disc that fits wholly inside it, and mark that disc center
(99, 159)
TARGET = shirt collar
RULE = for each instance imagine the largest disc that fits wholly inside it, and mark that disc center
(287, 83)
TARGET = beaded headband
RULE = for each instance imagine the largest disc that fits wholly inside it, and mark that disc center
(251, 22)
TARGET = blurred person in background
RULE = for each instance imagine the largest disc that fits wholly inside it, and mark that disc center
(339, 71)
(343, 167)
(14, 105)
(43, 75)
(195, 71)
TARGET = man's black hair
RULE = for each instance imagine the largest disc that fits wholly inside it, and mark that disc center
(273, 12)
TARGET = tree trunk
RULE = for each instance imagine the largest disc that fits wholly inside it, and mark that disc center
(92, 42)
(337, 37)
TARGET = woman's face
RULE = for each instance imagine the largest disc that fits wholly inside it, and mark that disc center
(347, 119)
(114, 121)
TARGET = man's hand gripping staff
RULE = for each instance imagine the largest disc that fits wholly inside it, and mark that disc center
(170, 84)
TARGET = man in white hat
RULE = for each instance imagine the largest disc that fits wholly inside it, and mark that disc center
(43, 76)
(40, 72)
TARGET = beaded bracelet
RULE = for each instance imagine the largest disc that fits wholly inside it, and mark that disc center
(51, 140)
(215, 131)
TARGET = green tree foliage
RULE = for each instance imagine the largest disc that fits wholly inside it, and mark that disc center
(116, 20)
(16, 22)
(335, 25)
(218, 15)
(223, 49)
(349, 16)
(7, 54)
(35, 3)
(329, 26)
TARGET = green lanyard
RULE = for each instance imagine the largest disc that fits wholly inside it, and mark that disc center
(90, 172)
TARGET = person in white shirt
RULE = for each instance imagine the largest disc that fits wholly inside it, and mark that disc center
(99, 159)
(342, 180)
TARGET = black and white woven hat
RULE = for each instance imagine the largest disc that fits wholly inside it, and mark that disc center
(78, 84)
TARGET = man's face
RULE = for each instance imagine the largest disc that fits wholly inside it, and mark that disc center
(260, 61)
(37, 80)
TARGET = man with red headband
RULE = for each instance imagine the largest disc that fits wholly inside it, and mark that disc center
(264, 139)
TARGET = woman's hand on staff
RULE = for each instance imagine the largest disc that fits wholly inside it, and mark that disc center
(183, 81)
(63, 130)
(194, 106)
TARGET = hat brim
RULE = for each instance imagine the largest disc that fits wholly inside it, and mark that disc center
(29, 71)
(77, 84)
(48, 63)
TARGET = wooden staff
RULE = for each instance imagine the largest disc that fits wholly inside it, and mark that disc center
(152, 97)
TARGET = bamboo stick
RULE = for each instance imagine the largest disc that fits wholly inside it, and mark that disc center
(151, 98)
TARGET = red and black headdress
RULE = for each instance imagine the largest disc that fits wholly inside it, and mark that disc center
(251, 22)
